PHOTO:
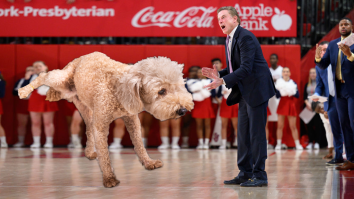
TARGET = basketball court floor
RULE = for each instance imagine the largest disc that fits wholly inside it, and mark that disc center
(187, 173)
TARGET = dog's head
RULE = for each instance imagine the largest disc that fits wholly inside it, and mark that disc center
(157, 85)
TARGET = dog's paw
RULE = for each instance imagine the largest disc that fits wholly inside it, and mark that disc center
(24, 91)
(153, 164)
(110, 182)
(90, 155)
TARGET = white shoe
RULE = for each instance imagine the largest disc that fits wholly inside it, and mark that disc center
(205, 146)
(115, 146)
(18, 145)
(299, 147)
(309, 146)
(269, 146)
(200, 146)
(34, 145)
(176, 147)
(234, 144)
(77, 145)
(316, 146)
(185, 145)
(283, 146)
(278, 147)
(163, 146)
(48, 145)
(70, 145)
(3, 145)
(222, 147)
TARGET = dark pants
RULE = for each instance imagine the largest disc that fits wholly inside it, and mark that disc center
(345, 108)
(316, 131)
(335, 126)
(251, 140)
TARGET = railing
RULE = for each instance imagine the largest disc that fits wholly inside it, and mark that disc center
(317, 18)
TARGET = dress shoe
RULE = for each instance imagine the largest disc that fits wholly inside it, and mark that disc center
(328, 156)
(335, 162)
(346, 166)
(254, 182)
(237, 180)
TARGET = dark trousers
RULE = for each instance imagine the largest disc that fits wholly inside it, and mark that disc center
(251, 140)
(335, 126)
(345, 108)
(316, 131)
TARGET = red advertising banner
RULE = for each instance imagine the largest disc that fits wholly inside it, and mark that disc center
(143, 18)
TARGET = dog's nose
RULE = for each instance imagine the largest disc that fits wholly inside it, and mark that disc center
(181, 111)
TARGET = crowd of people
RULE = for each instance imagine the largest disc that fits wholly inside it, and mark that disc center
(210, 106)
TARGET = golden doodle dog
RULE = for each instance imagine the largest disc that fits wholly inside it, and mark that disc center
(103, 90)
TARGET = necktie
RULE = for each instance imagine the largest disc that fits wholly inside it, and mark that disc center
(228, 53)
(330, 81)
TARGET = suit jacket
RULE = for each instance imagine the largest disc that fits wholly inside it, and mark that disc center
(322, 87)
(251, 77)
(331, 57)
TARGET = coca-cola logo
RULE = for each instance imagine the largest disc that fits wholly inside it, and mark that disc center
(195, 16)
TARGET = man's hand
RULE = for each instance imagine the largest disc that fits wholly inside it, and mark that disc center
(345, 49)
(318, 51)
(216, 83)
(208, 72)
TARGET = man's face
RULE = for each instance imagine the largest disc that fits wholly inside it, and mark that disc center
(273, 60)
(345, 27)
(218, 65)
(324, 48)
(226, 22)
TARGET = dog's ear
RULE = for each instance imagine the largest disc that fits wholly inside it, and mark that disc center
(128, 93)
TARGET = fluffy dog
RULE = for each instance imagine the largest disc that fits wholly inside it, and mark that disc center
(103, 90)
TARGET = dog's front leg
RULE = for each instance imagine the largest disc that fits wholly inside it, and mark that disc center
(134, 128)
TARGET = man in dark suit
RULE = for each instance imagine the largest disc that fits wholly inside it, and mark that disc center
(248, 75)
(341, 57)
(325, 87)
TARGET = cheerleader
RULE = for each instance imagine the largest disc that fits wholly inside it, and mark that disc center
(287, 92)
(75, 128)
(164, 131)
(226, 113)
(2, 131)
(38, 108)
(187, 118)
(119, 131)
(22, 107)
(203, 110)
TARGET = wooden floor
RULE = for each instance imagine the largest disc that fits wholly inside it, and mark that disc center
(189, 173)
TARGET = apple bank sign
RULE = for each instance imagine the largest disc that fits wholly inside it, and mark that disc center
(256, 17)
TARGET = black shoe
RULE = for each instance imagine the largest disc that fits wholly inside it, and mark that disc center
(236, 180)
(254, 182)
(335, 162)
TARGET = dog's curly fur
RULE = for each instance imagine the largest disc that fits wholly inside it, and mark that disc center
(103, 90)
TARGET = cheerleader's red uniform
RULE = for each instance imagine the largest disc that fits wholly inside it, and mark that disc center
(202, 102)
(287, 104)
(37, 103)
(225, 110)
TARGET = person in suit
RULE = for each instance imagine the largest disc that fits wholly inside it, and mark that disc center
(341, 58)
(325, 87)
(248, 75)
